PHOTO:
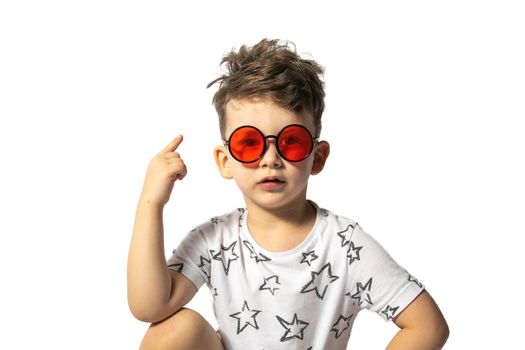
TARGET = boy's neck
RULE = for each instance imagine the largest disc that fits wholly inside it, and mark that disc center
(303, 213)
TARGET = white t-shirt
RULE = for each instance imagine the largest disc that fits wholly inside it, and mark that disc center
(304, 298)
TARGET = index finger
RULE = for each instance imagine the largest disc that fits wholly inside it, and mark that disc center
(172, 146)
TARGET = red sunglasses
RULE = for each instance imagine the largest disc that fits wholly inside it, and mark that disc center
(248, 144)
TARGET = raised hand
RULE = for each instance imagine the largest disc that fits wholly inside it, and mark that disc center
(163, 170)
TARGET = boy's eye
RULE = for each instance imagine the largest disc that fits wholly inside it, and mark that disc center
(249, 142)
(289, 140)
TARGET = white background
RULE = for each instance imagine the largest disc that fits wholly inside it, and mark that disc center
(424, 113)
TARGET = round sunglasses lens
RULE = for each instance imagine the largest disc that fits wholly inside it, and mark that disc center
(246, 144)
(295, 143)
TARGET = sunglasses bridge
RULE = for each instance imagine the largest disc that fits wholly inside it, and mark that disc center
(314, 141)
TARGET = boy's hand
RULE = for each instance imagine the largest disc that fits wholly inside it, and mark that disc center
(163, 170)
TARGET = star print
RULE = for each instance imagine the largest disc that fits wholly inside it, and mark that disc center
(205, 266)
(241, 215)
(225, 256)
(246, 317)
(361, 290)
(390, 311)
(216, 220)
(253, 253)
(345, 235)
(342, 324)
(320, 281)
(213, 291)
(270, 284)
(294, 329)
(178, 266)
(353, 253)
(413, 279)
(309, 257)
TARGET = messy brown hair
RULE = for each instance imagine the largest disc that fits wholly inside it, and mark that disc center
(271, 69)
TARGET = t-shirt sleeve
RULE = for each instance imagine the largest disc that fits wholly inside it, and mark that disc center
(380, 284)
(192, 257)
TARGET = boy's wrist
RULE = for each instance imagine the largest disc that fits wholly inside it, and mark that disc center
(148, 203)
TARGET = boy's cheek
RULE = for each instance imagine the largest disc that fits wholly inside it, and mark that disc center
(251, 165)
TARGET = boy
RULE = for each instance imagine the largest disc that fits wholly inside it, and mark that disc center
(284, 273)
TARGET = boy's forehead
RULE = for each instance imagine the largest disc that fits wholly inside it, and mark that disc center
(264, 113)
(252, 104)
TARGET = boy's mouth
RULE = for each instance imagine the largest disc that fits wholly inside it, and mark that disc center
(271, 179)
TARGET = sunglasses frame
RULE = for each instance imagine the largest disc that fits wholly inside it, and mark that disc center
(266, 143)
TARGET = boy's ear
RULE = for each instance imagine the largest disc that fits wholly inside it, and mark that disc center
(220, 154)
(320, 156)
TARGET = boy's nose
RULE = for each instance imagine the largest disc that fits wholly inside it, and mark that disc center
(271, 157)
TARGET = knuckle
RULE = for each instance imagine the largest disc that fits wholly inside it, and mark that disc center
(177, 163)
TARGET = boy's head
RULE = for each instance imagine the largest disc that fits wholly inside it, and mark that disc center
(270, 105)
(273, 71)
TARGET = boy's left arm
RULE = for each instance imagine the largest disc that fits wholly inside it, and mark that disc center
(422, 324)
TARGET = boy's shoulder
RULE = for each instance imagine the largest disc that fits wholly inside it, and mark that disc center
(228, 217)
(225, 219)
(334, 218)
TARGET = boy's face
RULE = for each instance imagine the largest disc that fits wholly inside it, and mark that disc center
(290, 190)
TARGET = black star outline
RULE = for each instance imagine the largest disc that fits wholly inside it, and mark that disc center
(353, 253)
(336, 327)
(213, 291)
(342, 234)
(413, 279)
(253, 254)
(178, 266)
(247, 322)
(241, 216)
(203, 264)
(219, 256)
(360, 289)
(271, 287)
(389, 312)
(216, 219)
(332, 278)
(288, 325)
(309, 257)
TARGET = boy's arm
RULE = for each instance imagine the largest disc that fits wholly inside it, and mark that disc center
(154, 291)
(422, 324)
